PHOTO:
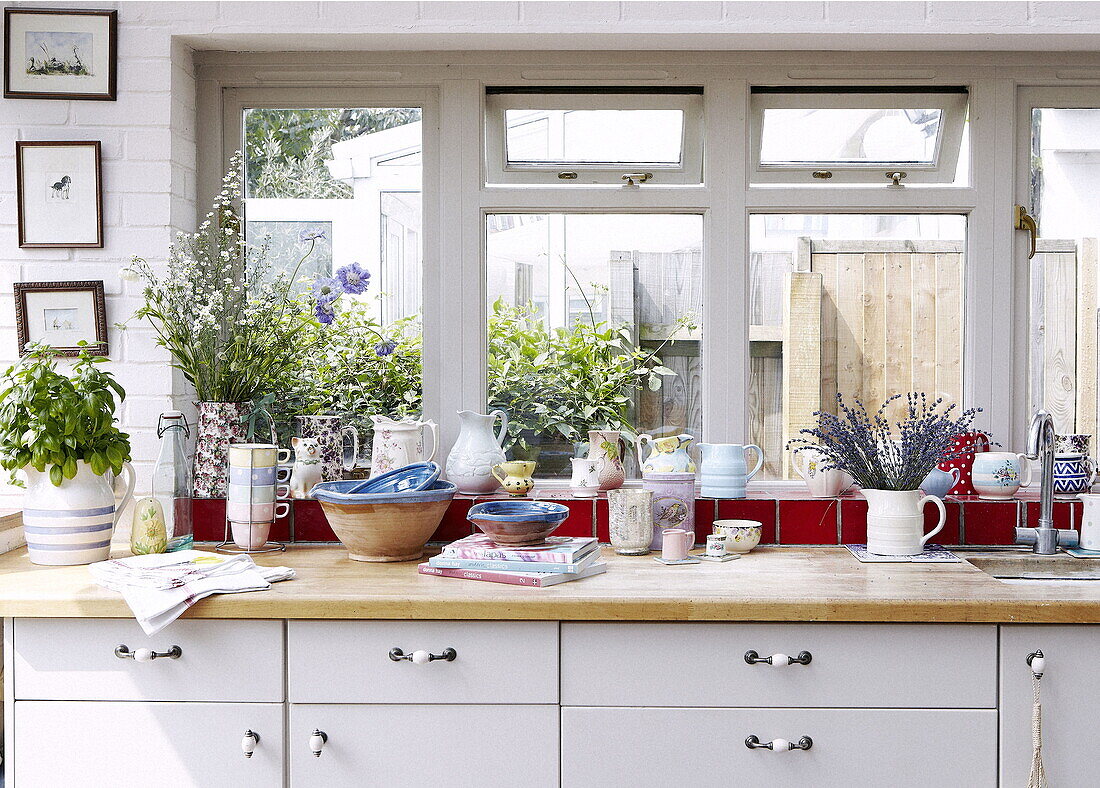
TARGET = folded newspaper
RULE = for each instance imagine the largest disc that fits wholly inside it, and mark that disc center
(159, 588)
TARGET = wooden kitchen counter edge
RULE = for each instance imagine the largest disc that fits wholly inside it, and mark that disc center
(770, 584)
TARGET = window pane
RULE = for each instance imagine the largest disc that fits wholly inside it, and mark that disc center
(862, 136)
(1065, 164)
(863, 305)
(325, 188)
(614, 136)
(577, 305)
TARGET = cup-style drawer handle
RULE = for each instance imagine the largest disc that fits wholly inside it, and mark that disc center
(249, 743)
(778, 660)
(423, 657)
(779, 745)
(122, 651)
(317, 741)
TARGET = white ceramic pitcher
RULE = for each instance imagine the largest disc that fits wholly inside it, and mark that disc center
(895, 521)
(72, 523)
(400, 442)
(477, 450)
(821, 481)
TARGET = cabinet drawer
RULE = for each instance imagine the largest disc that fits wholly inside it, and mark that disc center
(97, 744)
(689, 664)
(1069, 695)
(495, 662)
(456, 745)
(850, 747)
(74, 659)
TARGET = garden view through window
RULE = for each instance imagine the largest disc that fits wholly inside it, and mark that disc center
(866, 306)
(330, 188)
(594, 322)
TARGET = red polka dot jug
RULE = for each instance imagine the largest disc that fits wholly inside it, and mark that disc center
(964, 446)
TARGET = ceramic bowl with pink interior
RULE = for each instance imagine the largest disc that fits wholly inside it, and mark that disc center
(518, 522)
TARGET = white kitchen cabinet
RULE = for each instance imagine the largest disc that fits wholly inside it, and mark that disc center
(134, 744)
(851, 748)
(454, 745)
(1070, 696)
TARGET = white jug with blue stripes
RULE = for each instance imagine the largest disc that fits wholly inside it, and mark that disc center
(71, 523)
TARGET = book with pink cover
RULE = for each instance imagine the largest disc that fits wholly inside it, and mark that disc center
(556, 549)
(534, 579)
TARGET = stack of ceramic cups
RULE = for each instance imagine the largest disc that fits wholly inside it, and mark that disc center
(257, 492)
(1074, 469)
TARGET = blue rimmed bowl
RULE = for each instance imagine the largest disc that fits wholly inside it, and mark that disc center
(385, 526)
(518, 522)
(417, 476)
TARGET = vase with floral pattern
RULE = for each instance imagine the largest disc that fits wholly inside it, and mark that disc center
(606, 447)
(220, 424)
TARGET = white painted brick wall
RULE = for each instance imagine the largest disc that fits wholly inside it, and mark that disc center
(148, 134)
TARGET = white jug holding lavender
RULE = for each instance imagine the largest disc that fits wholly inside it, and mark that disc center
(895, 521)
(400, 442)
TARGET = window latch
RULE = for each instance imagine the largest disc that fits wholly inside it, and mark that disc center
(640, 177)
(1025, 221)
(895, 179)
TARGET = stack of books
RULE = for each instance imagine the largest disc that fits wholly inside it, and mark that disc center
(558, 560)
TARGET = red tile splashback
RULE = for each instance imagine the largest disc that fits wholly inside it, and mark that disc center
(789, 517)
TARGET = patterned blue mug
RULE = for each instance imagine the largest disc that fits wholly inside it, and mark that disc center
(1073, 475)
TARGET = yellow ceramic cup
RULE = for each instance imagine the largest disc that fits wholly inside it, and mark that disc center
(516, 477)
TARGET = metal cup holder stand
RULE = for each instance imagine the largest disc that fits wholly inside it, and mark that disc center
(228, 545)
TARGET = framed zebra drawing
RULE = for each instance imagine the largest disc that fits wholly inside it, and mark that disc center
(59, 194)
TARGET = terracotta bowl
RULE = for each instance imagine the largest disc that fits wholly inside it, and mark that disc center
(384, 527)
(518, 522)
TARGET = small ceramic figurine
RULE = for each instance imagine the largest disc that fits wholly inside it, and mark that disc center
(307, 466)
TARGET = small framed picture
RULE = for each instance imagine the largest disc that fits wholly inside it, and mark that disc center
(59, 194)
(60, 53)
(61, 314)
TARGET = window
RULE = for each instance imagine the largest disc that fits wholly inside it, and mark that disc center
(862, 305)
(326, 187)
(593, 322)
(1062, 336)
(587, 137)
(856, 136)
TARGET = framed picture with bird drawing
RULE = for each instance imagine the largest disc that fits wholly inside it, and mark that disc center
(60, 53)
(59, 194)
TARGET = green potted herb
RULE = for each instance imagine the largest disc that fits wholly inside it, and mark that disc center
(59, 430)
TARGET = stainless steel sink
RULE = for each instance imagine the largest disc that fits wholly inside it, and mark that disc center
(1028, 566)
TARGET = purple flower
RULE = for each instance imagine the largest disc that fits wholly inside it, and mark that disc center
(310, 234)
(353, 278)
(326, 289)
(324, 312)
(385, 348)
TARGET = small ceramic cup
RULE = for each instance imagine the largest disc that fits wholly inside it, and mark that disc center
(1073, 444)
(257, 512)
(741, 535)
(997, 475)
(677, 542)
(250, 536)
(270, 475)
(256, 455)
(260, 493)
(716, 545)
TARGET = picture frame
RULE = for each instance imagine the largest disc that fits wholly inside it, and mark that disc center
(61, 314)
(61, 53)
(59, 194)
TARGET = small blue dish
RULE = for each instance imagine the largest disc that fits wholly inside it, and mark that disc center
(518, 522)
(418, 476)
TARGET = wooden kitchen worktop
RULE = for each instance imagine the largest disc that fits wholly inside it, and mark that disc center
(769, 584)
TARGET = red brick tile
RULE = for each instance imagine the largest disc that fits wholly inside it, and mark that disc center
(454, 524)
(208, 517)
(811, 521)
(704, 519)
(581, 520)
(990, 522)
(603, 527)
(760, 509)
(310, 523)
(853, 521)
(1062, 517)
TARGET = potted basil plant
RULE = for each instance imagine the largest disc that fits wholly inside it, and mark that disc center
(59, 430)
(889, 460)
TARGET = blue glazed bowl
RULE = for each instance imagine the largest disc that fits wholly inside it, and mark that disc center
(417, 476)
(518, 522)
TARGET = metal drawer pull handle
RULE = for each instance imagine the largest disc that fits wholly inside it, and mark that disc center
(146, 654)
(249, 742)
(778, 660)
(317, 741)
(423, 657)
(779, 745)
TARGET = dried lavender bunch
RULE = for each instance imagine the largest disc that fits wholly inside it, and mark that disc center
(884, 456)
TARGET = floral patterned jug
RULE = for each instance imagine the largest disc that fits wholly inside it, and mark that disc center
(669, 455)
(605, 446)
(398, 443)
